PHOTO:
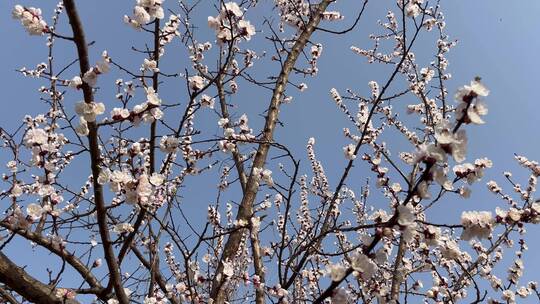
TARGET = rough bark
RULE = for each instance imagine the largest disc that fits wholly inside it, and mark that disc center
(245, 211)
(101, 211)
(27, 286)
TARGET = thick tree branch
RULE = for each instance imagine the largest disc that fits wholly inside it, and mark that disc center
(112, 263)
(69, 257)
(245, 211)
(396, 275)
(7, 296)
(27, 286)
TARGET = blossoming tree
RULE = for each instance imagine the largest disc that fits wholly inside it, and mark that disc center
(294, 235)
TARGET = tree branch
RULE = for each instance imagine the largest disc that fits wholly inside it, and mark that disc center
(27, 286)
(112, 263)
(245, 209)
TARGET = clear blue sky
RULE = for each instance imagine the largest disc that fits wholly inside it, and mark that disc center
(498, 40)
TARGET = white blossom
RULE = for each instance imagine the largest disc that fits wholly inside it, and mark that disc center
(76, 82)
(228, 269)
(35, 136)
(336, 272)
(82, 128)
(34, 211)
(196, 83)
(264, 175)
(169, 144)
(119, 113)
(363, 265)
(406, 216)
(31, 19)
(509, 296)
(349, 151)
(477, 224)
(207, 101)
(150, 65)
(89, 110)
(152, 97)
(123, 228)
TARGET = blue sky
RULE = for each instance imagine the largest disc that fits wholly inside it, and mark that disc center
(497, 40)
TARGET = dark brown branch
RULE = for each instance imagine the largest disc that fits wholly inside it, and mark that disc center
(70, 258)
(27, 286)
(82, 51)
(7, 296)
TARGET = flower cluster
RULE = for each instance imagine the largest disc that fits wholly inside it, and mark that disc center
(263, 174)
(170, 30)
(454, 143)
(316, 51)
(144, 189)
(149, 65)
(406, 215)
(450, 139)
(348, 150)
(471, 108)
(332, 16)
(196, 83)
(65, 294)
(120, 113)
(144, 12)
(413, 8)
(149, 110)
(477, 224)
(36, 137)
(232, 137)
(230, 24)
(122, 228)
(197, 52)
(90, 77)
(470, 172)
(42, 142)
(336, 272)
(31, 19)
(87, 112)
(532, 165)
(363, 266)
(169, 144)
(35, 211)
(207, 101)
